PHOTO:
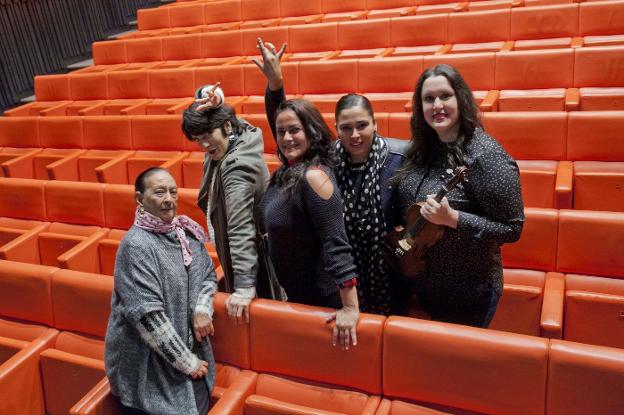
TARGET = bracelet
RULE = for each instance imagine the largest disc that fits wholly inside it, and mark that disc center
(353, 282)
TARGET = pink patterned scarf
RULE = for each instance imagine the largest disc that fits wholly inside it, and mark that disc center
(149, 222)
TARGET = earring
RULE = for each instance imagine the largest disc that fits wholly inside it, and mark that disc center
(141, 210)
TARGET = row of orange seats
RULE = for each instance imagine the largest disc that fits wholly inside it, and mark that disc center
(568, 241)
(53, 321)
(536, 28)
(548, 80)
(234, 14)
(533, 301)
(558, 136)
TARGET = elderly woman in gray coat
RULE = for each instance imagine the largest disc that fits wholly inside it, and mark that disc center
(235, 177)
(157, 357)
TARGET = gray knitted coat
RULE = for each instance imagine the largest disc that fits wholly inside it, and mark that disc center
(150, 276)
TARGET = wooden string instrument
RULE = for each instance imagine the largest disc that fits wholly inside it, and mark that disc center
(405, 247)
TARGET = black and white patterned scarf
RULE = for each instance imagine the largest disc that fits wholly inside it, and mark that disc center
(365, 225)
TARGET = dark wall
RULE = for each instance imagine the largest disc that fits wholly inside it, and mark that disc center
(43, 36)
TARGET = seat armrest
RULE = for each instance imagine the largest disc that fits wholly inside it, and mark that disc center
(551, 321)
(564, 182)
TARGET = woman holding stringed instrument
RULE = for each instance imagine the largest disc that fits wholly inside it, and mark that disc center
(450, 246)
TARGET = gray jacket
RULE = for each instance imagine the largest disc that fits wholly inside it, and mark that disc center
(241, 179)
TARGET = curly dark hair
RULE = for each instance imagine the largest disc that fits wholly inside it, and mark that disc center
(424, 138)
(196, 123)
(320, 136)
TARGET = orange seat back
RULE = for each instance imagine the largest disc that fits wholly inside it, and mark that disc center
(537, 247)
(25, 293)
(595, 135)
(111, 132)
(535, 69)
(318, 37)
(544, 22)
(19, 132)
(593, 310)
(22, 198)
(422, 358)
(294, 340)
(599, 66)
(61, 132)
(75, 202)
(476, 27)
(231, 343)
(590, 242)
(584, 379)
(477, 69)
(529, 135)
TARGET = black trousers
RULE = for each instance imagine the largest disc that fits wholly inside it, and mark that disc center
(477, 313)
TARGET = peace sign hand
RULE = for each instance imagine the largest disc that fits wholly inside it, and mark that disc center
(270, 64)
(213, 97)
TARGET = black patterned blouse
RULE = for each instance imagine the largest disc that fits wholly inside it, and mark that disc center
(467, 260)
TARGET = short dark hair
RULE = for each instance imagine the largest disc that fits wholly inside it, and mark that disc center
(139, 183)
(196, 123)
(354, 100)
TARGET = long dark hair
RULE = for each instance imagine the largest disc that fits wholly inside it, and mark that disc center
(424, 138)
(196, 123)
(320, 137)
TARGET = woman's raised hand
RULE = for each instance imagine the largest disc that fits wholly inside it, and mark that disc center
(270, 64)
(214, 98)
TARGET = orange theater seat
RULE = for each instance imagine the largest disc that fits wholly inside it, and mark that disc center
(192, 170)
(107, 133)
(546, 184)
(52, 87)
(491, 372)
(343, 10)
(17, 162)
(534, 80)
(379, 9)
(157, 132)
(70, 246)
(599, 185)
(107, 250)
(598, 75)
(352, 44)
(81, 304)
(156, 18)
(324, 82)
(259, 13)
(172, 83)
(18, 240)
(529, 136)
(119, 205)
(601, 22)
(19, 132)
(187, 15)
(74, 202)
(593, 310)
(144, 50)
(222, 11)
(312, 41)
(418, 35)
(25, 311)
(590, 243)
(584, 379)
(303, 363)
(109, 52)
(532, 303)
(61, 132)
(595, 135)
(92, 166)
(126, 84)
(484, 31)
(601, 99)
(537, 247)
(550, 22)
(388, 83)
(22, 199)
